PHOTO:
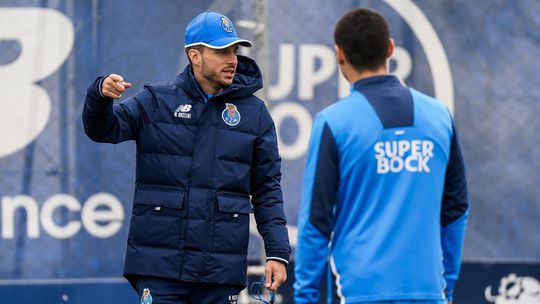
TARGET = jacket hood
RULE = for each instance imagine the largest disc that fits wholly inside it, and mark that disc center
(247, 80)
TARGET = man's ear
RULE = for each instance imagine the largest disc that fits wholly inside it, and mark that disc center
(340, 57)
(194, 56)
(391, 46)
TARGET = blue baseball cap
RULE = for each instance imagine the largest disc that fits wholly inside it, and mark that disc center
(212, 30)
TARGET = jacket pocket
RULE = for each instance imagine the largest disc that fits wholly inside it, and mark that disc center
(157, 217)
(231, 224)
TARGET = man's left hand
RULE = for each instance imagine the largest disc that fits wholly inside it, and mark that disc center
(276, 274)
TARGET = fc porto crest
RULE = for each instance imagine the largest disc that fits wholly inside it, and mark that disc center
(146, 297)
(226, 24)
(230, 115)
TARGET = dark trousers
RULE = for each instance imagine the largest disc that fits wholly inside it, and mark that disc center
(169, 291)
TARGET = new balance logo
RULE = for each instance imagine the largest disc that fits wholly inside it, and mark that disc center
(233, 299)
(182, 111)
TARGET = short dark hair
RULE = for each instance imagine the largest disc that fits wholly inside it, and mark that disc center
(364, 37)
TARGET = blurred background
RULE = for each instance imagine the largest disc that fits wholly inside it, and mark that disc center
(65, 202)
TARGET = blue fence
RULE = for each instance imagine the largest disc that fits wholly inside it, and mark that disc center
(65, 201)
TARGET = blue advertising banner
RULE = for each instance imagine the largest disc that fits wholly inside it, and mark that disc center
(65, 201)
(499, 283)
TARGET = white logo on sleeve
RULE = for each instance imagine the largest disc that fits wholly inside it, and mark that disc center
(183, 111)
(397, 155)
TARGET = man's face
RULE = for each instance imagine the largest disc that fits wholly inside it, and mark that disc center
(219, 66)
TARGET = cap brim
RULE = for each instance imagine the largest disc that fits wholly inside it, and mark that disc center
(223, 43)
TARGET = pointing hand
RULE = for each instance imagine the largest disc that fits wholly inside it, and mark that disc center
(113, 86)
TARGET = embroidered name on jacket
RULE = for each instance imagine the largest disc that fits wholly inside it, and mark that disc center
(398, 155)
(183, 111)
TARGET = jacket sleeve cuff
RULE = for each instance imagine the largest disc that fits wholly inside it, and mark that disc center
(449, 291)
(278, 255)
(278, 259)
(100, 86)
(94, 97)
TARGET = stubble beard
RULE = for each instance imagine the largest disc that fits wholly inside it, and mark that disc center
(213, 78)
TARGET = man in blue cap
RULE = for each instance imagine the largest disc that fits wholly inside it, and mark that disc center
(207, 156)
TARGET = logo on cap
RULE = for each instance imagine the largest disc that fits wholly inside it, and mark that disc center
(212, 30)
(227, 25)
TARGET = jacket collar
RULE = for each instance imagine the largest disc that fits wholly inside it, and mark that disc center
(380, 79)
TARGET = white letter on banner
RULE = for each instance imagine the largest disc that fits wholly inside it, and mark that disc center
(10, 205)
(47, 212)
(286, 70)
(46, 38)
(403, 61)
(309, 77)
(344, 87)
(114, 215)
(303, 120)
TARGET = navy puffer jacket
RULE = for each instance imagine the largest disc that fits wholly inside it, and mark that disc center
(201, 169)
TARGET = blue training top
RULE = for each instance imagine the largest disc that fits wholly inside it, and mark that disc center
(384, 198)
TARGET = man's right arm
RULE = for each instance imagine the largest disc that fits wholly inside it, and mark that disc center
(316, 214)
(105, 122)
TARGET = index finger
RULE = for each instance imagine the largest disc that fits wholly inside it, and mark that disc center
(116, 78)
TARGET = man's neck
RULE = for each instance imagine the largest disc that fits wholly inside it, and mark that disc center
(354, 75)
